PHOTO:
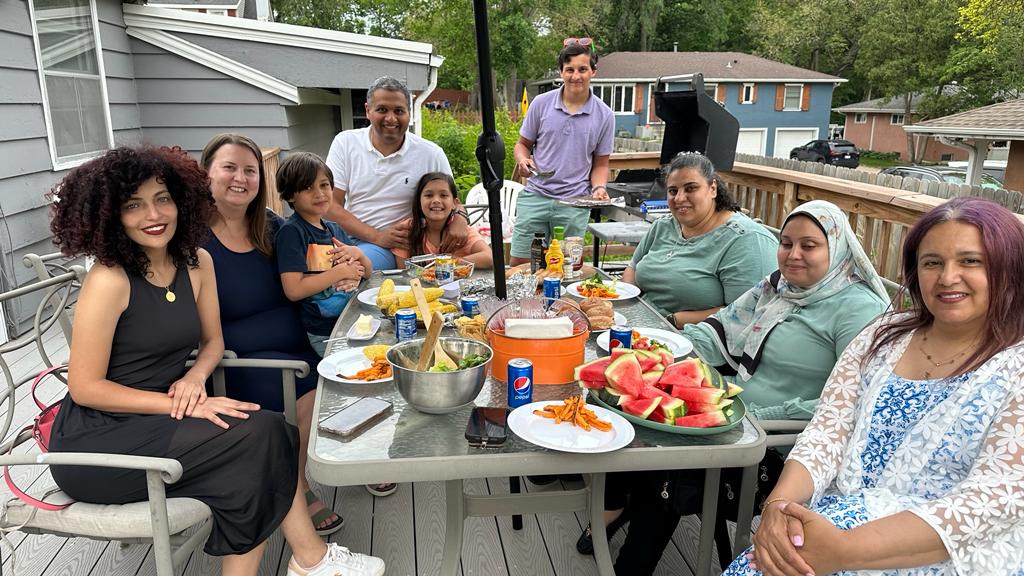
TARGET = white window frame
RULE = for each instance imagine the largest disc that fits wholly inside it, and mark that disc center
(652, 118)
(800, 91)
(748, 98)
(68, 162)
(617, 97)
(860, 117)
(894, 117)
(712, 91)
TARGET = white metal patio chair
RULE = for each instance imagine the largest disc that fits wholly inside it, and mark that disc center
(477, 208)
(174, 526)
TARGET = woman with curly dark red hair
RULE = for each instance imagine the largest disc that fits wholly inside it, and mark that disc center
(147, 303)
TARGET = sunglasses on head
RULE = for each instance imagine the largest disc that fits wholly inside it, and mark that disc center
(581, 41)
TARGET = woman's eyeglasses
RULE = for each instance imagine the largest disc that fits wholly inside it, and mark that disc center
(581, 41)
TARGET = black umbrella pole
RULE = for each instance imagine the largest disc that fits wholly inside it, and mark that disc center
(490, 149)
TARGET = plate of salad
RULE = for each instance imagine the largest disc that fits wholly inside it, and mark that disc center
(595, 287)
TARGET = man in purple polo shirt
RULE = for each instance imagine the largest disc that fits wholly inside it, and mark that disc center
(570, 132)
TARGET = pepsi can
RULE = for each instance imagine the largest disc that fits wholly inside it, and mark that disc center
(552, 289)
(620, 337)
(470, 305)
(405, 324)
(520, 382)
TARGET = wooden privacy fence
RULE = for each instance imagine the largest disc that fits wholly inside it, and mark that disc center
(271, 159)
(880, 215)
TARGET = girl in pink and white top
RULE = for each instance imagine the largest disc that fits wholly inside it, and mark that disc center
(432, 209)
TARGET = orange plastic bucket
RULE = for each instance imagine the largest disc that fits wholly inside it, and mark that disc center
(554, 360)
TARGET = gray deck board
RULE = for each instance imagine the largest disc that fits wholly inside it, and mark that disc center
(480, 535)
(429, 517)
(523, 548)
(560, 532)
(393, 532)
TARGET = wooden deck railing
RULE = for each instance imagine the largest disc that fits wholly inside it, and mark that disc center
(880, 215)
(271, 159)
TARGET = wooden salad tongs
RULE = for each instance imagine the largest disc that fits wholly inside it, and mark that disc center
(429, 319)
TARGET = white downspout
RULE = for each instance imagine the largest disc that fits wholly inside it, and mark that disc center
(976, 154)
(417, 104)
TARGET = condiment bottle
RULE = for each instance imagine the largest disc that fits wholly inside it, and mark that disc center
(555, 258)
(537, 250)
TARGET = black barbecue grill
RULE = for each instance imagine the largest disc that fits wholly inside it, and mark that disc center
(694, 122)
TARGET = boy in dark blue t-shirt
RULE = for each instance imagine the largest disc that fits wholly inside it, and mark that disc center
(318, 263)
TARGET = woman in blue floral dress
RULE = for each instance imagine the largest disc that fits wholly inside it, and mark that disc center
(914, 461)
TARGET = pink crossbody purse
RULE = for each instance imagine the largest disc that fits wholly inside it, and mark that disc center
(42, 428)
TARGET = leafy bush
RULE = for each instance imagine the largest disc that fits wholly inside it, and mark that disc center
(458, 140)
(873, 155)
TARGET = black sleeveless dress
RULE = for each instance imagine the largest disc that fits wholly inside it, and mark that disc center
(246, 474)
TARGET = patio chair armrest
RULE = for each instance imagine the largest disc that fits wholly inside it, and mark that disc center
(290, 370)
(782, 425)
(170, 470)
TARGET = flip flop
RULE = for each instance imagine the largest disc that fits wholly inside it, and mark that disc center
(322, 515)
(381, 489)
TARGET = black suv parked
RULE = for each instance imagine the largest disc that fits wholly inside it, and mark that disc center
(838, 152)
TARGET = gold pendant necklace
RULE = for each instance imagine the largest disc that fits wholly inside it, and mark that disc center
(169, 294)
(957, 356)
(170, 297)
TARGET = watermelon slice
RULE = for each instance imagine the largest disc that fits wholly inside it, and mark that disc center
(658, 417)
(702, 407)
(613, 397)
(652, 378)
(684, 374)
(671, 409)
(700, 395)
(666, 356)
(648, 360)
(616, 352)
(592, 383)
(708, 420)
(712, 378)
(594, 370)
(651, 392)
(624, 374)
(732, 390)
(642, 407)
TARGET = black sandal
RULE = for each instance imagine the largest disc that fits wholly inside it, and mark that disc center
(585, 543)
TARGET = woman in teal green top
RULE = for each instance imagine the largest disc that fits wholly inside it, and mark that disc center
(707, 254)
(780, 339)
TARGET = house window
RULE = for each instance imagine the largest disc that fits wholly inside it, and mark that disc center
(860, 118)
(896, 120)
(712, 91)
(71, 79)
(792, 99)
(748, 94)
(618, 97)
(217, 12)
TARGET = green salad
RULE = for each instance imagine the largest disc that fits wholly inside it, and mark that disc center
(467, 362)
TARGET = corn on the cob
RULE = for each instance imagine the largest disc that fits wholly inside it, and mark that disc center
(434, 305)
(385, 293)
(407, 300)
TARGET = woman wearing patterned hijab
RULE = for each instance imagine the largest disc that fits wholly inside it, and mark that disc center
(782, 337)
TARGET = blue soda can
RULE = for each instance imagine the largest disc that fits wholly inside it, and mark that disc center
(552, 289)
(405, 324)
(520, 382)
(620, 337)
(470, 305)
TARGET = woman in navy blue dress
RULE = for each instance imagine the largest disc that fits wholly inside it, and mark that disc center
(257, 319)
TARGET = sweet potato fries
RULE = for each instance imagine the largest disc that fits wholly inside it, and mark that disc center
(574, 411)
(379, 369)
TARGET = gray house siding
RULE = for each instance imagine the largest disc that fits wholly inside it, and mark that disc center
(27, 173)
(184, 104)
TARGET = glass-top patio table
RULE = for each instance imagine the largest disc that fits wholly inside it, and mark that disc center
(410, 446)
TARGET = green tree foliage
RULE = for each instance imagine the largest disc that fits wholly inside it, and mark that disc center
(989, 61)
(375, 17)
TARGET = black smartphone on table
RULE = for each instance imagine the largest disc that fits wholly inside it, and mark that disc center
(487, 427)
(355, 417)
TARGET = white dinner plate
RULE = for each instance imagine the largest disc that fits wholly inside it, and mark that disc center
(617, 318)
(374, 326)
(346, 362)
(679, 345)
(369, 296)
(624, 290)
(565, 437)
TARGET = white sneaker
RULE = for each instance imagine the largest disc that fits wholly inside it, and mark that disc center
(339, 561)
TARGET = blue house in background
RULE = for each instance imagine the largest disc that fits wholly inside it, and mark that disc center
(778, 106)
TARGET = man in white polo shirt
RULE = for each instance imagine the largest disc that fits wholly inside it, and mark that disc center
(375, 174)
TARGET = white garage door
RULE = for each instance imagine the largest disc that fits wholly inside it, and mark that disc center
(751, 141)
(788, 138)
